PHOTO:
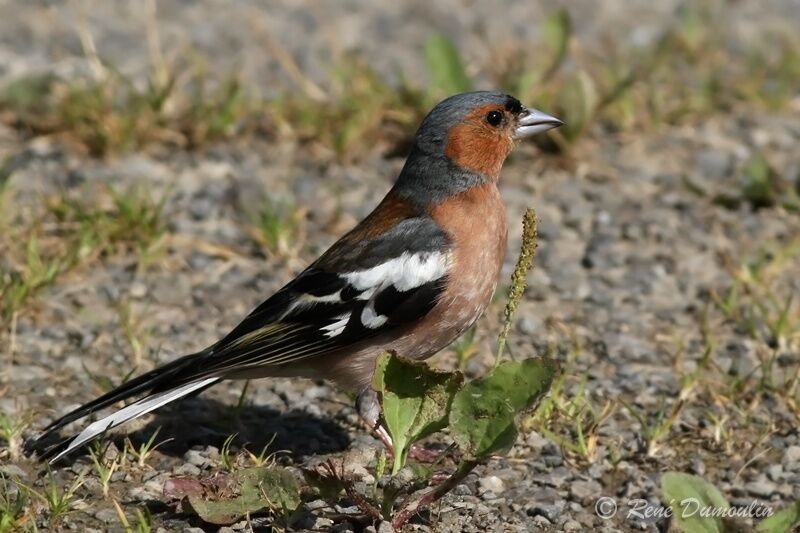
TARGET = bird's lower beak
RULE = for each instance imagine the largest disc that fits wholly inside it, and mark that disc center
(533, 121)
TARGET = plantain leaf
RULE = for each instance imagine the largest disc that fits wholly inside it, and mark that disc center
(483, 414)
(445, 66)
(688, 495)
(415, 401)
(760, 182)
(248, 491)
(783, 521)
(556, 31)
(578, 100)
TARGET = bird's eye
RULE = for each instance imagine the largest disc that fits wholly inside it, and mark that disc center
(494, 118)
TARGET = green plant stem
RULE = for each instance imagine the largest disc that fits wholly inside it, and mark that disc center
(519, 279)
(414, 505)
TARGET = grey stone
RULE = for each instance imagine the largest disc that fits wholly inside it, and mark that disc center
(791, 458)
(550, 511)
(109, 516)
(187, 469)
(714, 163)
(197, 458)
(761, 488)
(13, 471)
(491, 484)
(584, 490)
(775, 472)
(385, 527)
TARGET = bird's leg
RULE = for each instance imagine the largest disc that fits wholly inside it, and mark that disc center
(369, 409)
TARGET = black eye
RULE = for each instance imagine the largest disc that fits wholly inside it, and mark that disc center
(494, 118)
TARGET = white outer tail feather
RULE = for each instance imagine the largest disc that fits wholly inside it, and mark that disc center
(129, 412)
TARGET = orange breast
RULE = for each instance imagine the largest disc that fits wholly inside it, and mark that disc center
(476, 221)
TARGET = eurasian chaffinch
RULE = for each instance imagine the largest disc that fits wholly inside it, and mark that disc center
(410, 278)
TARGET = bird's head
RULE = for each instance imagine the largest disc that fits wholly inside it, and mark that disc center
(476, 131)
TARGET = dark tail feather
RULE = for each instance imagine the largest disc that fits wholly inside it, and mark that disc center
(165, 384)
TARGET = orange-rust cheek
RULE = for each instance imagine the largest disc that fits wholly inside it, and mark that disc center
(473, 148)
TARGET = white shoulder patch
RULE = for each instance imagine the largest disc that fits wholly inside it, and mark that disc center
(406, 272)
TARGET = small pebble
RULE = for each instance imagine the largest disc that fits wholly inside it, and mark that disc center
(491, 484)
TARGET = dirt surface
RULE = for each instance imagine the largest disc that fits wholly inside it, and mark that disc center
(631, 286)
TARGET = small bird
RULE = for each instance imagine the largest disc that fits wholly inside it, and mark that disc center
(410, 278)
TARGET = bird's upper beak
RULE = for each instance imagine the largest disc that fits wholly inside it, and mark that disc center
(533, 121)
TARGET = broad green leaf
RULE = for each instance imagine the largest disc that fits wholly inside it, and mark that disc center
(577, 103)
(251, 490)
(759, 182)
(483, 414)
(279, 487)
(445, 66)
(688, 495)
(556, 32)
(783, 521)
(416, 401)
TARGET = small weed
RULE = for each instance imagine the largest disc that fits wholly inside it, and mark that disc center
(132, 222)
(761, 302)
(111, 115)
(6, 170)
(14, 506)
(278, 227)
(363, 111)
(654, 432)
(73, 232)
(571, 420)
(58, 502)
(264, 458)
(761, 186)
(20, 283)
(143, 519)
(104, 466)
(229, 460)
(11, 429)
(145, 450)
(135, 331)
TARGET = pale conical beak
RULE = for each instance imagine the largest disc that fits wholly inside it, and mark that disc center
(533, 121)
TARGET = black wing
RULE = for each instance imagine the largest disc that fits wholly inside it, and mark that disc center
(353, 292)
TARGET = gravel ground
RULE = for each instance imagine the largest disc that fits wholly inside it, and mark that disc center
(629, 256)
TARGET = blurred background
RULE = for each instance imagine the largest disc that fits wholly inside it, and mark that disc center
(165, 165)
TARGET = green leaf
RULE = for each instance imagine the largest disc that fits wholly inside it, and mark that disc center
(783, 521)
(250, 490)
(688, 495)
(416, 401)
(577, 103)
(445, 66)
(279, 487)
(759, 182)
(483, 414)
(556, 31)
